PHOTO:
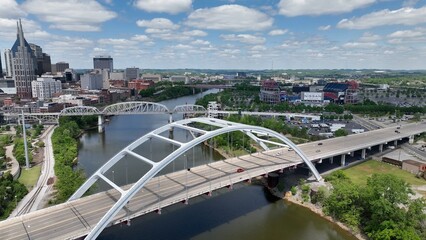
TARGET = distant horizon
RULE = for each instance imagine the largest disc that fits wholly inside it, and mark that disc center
(226, 34)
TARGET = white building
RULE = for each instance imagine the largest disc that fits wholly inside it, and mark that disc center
(312, 96)
(116, 76)
(179, 78)
(92, 81)
(45, 87)
(213, 106)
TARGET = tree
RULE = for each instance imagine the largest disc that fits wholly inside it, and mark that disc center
(340, 133)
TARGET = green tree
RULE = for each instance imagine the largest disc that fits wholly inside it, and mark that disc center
(340, 133)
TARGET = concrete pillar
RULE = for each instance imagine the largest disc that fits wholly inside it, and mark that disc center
(352, 153)
(411, 139)
(100, 123)
(395, 143)
(331, 160)
(381, 148)
(170, 121)
(363, 153)
(343, 160)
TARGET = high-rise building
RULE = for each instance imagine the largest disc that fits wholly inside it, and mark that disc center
(8, 62)
(103, 62)
(61, 66)
(92, 81)
(24, 65)
(45, 87)
(1, 68)
(132, 73)
(43, 60)
(47, 64)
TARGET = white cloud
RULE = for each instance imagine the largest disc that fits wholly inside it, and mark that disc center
(157, 23)
(195, 33)
(293, 8)
(258, 48)
(141, 38)
(407, 33)
(80, 15)
(277, 32)
(403, 16)
(166, 6)
(244, 38)
(181, 47)
(369, 37)
(31, 29)
(200, 42)
(360, 45)
(324, 28)
(10, 9)
(116, 42)
(229, 17)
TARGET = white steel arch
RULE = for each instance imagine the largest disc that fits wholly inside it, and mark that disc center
(79, 111)
(189, 108)
(156, 167)
(135, 108)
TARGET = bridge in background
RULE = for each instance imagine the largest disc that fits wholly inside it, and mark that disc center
(82, 216)
(135, 108)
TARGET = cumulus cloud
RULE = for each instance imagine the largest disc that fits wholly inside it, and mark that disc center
(324, 28)
(404, 16)
(165, 6)
(10, 9)
(200, 42)
(116, 42)
(81, 15)
(31, 29)
(195, 33)
(229, 17)
(292, 8)
(359, 45)
(407, 34)
(157, 23)
(369, 37)
(141, 38)
(243, 38)
(277, 32)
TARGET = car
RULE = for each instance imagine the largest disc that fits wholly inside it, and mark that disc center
(290, 149)
(320, 143)
(397, 131)
(318, 150)
(240, 170)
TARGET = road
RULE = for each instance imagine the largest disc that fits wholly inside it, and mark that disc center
(76, 218)
(37, 195)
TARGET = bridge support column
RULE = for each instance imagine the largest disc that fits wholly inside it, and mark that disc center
(343, 160)
(170, 121)
(363, 152)
(352, 153)
(381, 148)
(395, 143)
(411, 139)
(331, 160)
(100, 123)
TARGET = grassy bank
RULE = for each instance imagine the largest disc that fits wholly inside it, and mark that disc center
(29, 177)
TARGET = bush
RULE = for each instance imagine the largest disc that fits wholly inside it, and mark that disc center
(293, 190)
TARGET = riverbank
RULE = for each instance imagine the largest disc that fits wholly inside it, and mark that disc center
(289, 198)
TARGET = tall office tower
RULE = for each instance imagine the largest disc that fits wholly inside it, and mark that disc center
(47, 64)
(8, 62)
(61, 66)
(24, 65)
(132, 73)
(103, 62)
(1, 68)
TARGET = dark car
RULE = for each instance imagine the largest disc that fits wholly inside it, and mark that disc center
(320, 143)
(240, 170)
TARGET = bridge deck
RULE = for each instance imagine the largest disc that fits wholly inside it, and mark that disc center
(76, 218)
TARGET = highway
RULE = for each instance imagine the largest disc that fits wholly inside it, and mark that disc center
(75, 219)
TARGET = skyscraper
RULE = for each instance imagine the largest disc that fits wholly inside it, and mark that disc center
(103, 62)
(8, 62)
(24, 65)
(1, 68)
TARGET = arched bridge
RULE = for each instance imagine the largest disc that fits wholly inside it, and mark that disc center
(123, 108)
(82, 216)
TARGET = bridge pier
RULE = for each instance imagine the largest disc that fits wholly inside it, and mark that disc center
(343, 160)
(381, 148)
(100, 123)
(411, 139)
(331, 160)
(363, 153)
(352, 153)
(395, 143)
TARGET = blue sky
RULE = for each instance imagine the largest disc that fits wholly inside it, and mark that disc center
(224, 34)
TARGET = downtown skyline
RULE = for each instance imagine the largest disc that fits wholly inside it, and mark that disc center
(225, 34)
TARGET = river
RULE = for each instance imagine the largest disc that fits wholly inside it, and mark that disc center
(247, 212)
